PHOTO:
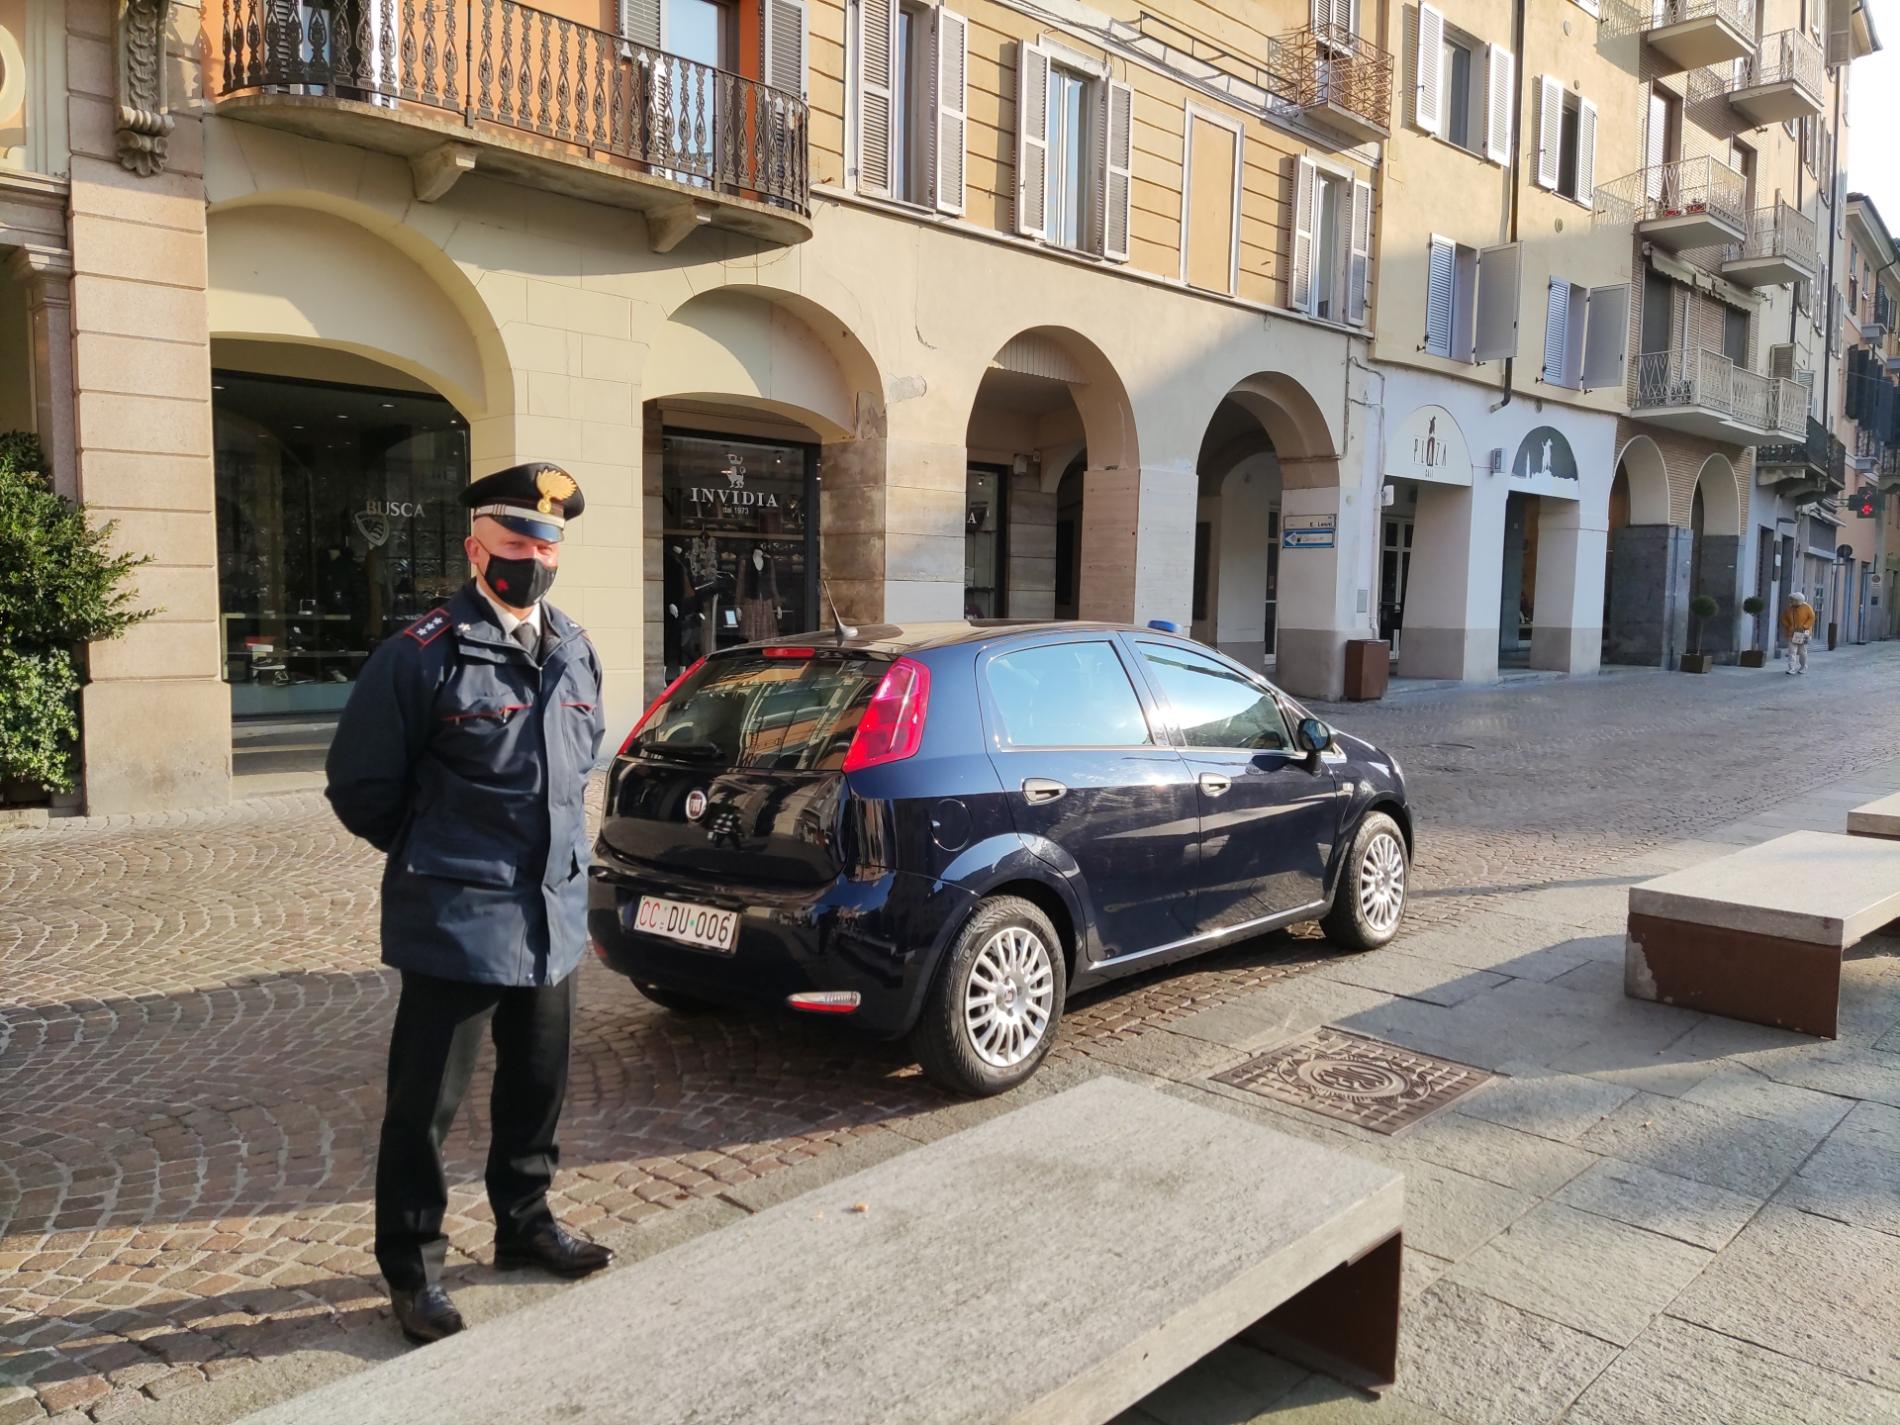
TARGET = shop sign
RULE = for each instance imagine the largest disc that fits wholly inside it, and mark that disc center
(1428, 445)
(1309, 531)
(733, 494)
(1544, 455)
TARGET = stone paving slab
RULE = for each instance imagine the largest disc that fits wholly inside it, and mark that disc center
(1850, 1182)
(1411, 976)
(1663, 1203)
(1679, 1374)
(1590, 1272)
(1481, 1361)
(1820, 1291)
(1534, 1099)
(1709, 1145)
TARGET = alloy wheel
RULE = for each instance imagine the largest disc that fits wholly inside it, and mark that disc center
(1009, 997)
(1382, 882)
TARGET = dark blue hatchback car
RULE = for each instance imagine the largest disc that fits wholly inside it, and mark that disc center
(940, 830)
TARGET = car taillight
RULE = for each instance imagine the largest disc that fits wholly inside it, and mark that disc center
(892, 727)
(658, 703)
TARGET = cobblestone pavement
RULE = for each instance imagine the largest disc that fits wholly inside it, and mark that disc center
(193, 1023)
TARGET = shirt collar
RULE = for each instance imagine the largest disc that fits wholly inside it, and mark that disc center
(508, 618)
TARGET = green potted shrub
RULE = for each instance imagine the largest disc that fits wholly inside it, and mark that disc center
(61, 586)
(1754, 657)
(1702, 606)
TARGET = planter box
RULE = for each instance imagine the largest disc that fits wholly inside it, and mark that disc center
(1368, 665)
(1697, 662)
(1753, 658)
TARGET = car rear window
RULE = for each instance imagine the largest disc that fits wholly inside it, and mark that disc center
(778, 714)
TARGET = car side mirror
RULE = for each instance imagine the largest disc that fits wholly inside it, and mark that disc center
(1313, 735)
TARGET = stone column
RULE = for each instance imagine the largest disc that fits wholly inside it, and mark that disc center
(1567, 632)
(1456, 589)
(1137, 550)
(891, 528)
(1030, 587)
(1649, 582)
(1721, 577)
(46, 276)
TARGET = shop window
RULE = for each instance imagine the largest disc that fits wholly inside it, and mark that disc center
(339, 521)
(739, 550)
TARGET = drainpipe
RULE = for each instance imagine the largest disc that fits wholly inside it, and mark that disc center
(1518, 8)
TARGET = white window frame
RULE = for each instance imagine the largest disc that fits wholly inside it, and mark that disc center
(1339, 274)
(1197, 113)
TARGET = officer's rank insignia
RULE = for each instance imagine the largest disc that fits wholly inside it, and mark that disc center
(429, 627)
(554, 485)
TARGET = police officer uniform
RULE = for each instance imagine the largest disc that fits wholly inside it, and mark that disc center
(463, 755)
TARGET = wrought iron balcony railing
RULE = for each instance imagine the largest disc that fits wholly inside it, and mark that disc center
(1786, 57)
(1689, 187)
(1809, 454)
(1661, 14)
(1780, 231)
(1708, 381)
(1328, 67)
(503, 63)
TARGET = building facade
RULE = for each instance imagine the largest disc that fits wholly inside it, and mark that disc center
(993, 308)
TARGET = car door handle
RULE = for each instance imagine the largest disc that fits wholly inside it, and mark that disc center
(1214, 784)
(1038, 790)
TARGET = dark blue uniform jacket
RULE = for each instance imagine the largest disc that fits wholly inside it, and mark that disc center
(464, 758)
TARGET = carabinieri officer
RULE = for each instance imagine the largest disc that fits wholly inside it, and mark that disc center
(463, 756)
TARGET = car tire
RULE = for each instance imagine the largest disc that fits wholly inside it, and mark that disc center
(674, 1000)
(1009, 948)
(1369, 901)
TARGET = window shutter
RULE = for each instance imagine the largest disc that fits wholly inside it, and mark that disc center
(953, 67)
(1500, 104)
(1359, 260)
(785, 45)
(1118, 104)
(1500, 274)
(1840, 31)
(640, 22)
(1586, 153)
(1806, 380)
(1032, 140)
(877, 60)
(1606, 336)
(1550, 129)
(1299, 282)
(1320, 14)
(1429, 80)
(1441, 278)
(1556, 332)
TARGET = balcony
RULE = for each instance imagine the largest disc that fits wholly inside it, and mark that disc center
(1782, 247)
(1694, 202)
(527, 96)
(1782, 81)
(1797, 469)
(1340, 82)
(1705, 394)
(1875, 317)
(1690, 34)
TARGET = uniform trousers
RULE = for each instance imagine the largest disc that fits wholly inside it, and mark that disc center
(432, 1054)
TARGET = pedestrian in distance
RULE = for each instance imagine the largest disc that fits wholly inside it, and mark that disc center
(463, 755)
(1797, 625)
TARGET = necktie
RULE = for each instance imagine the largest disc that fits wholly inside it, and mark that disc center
(526, 636)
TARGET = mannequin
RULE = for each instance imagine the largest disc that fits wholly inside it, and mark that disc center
(758, 595)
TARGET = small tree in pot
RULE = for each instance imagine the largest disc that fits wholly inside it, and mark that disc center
(60, 586)
(1702, 606)
(1754, 657)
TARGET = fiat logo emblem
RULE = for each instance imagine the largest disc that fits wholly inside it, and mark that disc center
(695, 805)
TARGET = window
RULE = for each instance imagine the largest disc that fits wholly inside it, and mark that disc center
(1066, 695)
(1331, 271)
(1213, 705)
(1471, 301)
(1074, 153)
(1735, 336)
(908, 64)
(1586, 335)
(1567, 141)
(984, 524)
(1462, 88)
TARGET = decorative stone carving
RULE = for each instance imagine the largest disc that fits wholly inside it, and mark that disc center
(145, 119)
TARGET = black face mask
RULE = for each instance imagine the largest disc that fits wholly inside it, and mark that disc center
(518, 583)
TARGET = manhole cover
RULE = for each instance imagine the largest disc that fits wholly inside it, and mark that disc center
(1355, 1079)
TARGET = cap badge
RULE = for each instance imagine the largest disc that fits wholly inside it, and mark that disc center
(554, 485)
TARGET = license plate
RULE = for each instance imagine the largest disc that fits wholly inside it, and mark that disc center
(698, 925)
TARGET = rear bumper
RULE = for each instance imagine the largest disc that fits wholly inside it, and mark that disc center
(881, 937)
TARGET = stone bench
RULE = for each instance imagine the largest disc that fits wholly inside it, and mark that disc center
(1880, 818)
(1054, 1265)
(1759, 934)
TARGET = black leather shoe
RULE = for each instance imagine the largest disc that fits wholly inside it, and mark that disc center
(426, 1315)
(553, 1249)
